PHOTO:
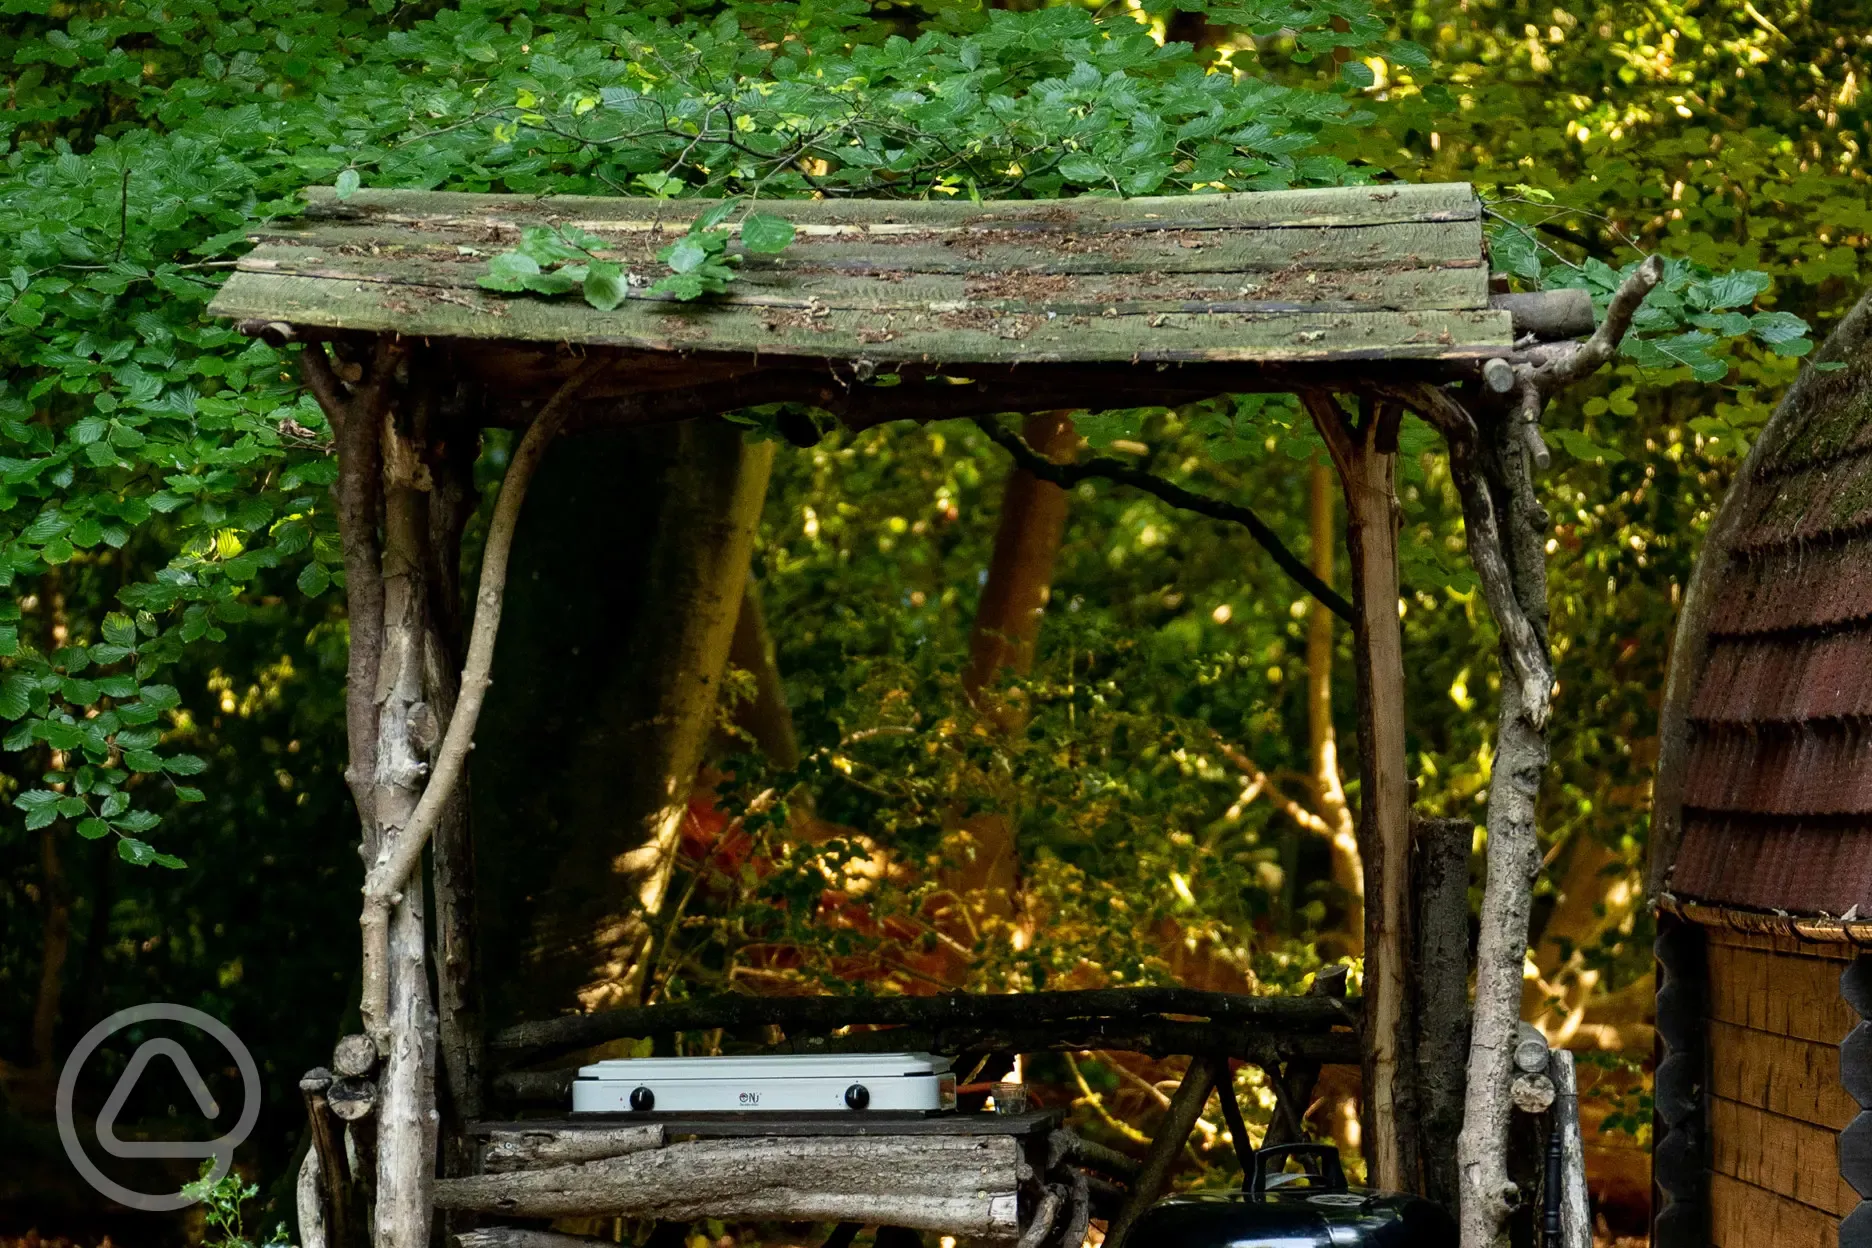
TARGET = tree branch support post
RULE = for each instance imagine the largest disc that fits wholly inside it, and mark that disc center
(1365, 454)
(407, 753)
(1493, 454)
(1186, 1106)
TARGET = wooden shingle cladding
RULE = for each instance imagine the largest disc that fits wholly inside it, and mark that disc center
(1309, 279)
(1771, 792)
(1776, 1100)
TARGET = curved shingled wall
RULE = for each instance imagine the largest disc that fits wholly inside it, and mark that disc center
(1764, 789)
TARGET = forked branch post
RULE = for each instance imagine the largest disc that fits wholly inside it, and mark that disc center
(400, 853)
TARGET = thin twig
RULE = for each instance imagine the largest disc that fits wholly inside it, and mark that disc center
(1598, 349)
(1097, 1103)
(1103, 468)
(1259, 782)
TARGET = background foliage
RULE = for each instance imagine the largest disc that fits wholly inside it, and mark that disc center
(171, 640)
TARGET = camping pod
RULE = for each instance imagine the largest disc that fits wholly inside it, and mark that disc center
(1762, 841)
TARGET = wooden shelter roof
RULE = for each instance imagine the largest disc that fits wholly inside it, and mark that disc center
(1770, 785)
(1309, 280)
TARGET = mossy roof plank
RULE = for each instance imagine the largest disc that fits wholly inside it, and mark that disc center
(1351, 274)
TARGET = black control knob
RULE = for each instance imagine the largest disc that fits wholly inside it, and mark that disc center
(857, 1096)
(643, 1100)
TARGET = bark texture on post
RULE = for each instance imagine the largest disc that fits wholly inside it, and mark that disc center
(607, 686)
(308, 1203)
(1576, 1229)
(1365, 455)
(1506, 529)
(1441, 888)
(519, 1148)
(411, 659)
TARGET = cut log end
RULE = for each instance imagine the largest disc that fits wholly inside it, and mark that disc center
(355, 1056)
(1532, 1094)
(1531, 1053)
(351, 1099)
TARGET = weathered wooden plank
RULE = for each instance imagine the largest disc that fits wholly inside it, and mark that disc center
(1797, 1159)
(1300, 251)
(1173, 286)
(1788, 996)
(525, 1237)
(1307, 277)
(1349, 206)
(956, 1185)
(533, 1146)
(976, 335)
(1743, 1216)
(1793, 1078)
(767, 1125)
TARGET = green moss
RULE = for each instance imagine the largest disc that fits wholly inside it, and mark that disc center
(1835, 417)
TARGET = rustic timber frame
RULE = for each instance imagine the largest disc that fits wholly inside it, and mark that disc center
(884, 311)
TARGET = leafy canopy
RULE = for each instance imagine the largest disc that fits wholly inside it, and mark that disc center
(129, 424)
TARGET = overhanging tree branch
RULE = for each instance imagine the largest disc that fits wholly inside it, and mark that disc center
(1104, 468)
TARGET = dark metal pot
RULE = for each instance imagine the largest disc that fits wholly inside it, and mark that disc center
(1311, 1207)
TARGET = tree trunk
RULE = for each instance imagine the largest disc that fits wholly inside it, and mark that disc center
(410, 665)
(36, 1091)
(1366, 457)
(1020, 571)
(1329, 798)
(983, 862)
(607, 682)
(767, 718)
(1513, 842)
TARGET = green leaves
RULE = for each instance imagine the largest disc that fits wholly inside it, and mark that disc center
(605, 285)
(556, 260)
(765, 234)
(1681, 323)
(314, 580)
(700, 263)
(347, 184)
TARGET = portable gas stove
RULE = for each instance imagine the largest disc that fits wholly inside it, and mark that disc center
(790, 1083)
